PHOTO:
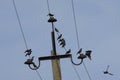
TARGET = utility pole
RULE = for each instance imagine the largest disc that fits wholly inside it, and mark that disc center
(55, 57)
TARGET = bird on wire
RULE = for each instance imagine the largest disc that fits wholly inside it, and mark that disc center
(69, 51)
(56, 30)
(88, 54)
(79, 51)
(62, 42)
(28, 52)
(29, 61)
(50, 14)
(59, 37)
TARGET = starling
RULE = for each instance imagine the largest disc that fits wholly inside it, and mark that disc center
(28, 52)
(59, 36)
(29, 61)
(56, 30)
(88, 54)
(50, 14)
(82, 56)
(67, 52)
(62, 42)
(79, 51)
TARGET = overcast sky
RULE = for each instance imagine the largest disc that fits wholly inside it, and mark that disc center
(98, 23)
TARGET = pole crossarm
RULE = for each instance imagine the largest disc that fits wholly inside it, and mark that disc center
(55, 57)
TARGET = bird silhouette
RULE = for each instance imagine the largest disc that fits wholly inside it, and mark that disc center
(106, 72)
(88, 54)
(59, 36)
(79, 51)
(28, 52)
(67, 52)
(29, 61)
(62, 42)
(56, 30)
(50, 14)
(81, 56)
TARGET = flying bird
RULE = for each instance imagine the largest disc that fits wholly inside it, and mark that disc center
(88, 54)
(28, 52)
(79, 51)
(106, 72)
(67, 52)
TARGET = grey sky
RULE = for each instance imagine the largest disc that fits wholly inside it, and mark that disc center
(98, 24)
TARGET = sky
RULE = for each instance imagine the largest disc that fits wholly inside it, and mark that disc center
(98, 25)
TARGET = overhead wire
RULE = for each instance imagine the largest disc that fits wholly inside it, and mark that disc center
(21, 29)
(48, 6)
(20, 25)
(87, 70)
(77, 36)
(78, 44)
(76, 72)
(39, 75)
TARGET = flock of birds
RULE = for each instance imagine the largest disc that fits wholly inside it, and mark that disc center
(62, 43)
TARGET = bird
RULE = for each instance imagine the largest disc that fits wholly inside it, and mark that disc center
(88, 54)
(29, 61)
(28, 52)
(59, 36)
(50, 14)
(81, 56)
(79, 51)
(56, 30)
(67, 52)
(106, 72)
(62, 42)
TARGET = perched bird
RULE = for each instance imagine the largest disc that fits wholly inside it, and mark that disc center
(59, 36)
(106, 72)
(56, 30)
(82, 56)
(62, 42)
(28, 52)
(79, 51)
(88, 54)
(29, 61)
(67, 52)
(50, 14)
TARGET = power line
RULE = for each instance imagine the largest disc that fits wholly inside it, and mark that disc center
(78, 37)
(75, 22)
(76, 72)
(48, 6)
(20, 25)
(39, 75)
(21, 29)
(86, 70)
(76, 34)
